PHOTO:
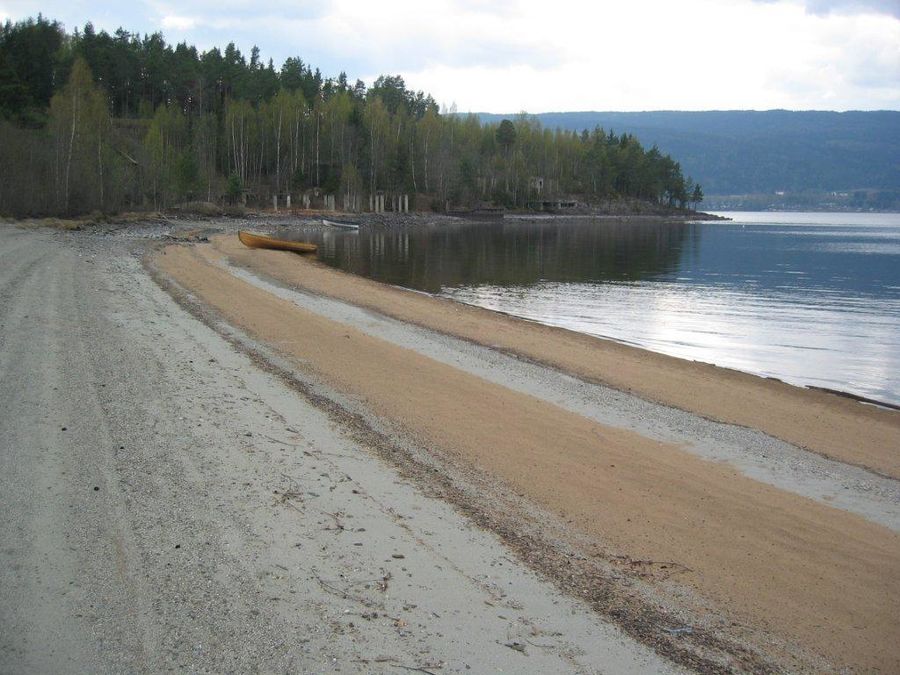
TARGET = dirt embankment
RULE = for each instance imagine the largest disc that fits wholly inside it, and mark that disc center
(789, 567)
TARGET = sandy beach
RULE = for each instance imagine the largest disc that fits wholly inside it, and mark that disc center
(371, 473)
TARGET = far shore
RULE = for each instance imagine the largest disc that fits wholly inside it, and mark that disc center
(207, 211)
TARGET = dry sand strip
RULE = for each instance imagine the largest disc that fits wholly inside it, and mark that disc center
(822, 578)
(833, 426)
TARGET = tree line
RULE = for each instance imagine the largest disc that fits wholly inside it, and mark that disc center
(96, 122)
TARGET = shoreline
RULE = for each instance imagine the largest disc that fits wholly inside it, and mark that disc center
(727, 395)
(707, 438)
(712, 522)
(842, 393)
(853, 397)
(177, 216)
(175, 219)
(806, 380)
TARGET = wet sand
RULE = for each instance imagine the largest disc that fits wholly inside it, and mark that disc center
(786, 569)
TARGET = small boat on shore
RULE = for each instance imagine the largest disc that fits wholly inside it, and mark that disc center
(254, 240)
(340, 224)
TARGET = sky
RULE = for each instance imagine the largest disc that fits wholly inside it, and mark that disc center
(507, 56)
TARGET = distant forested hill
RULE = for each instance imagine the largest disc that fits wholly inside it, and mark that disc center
(743, 152)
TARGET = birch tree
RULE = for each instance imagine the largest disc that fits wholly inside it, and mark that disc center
(80, 126)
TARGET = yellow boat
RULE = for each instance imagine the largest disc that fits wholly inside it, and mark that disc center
(254, 240)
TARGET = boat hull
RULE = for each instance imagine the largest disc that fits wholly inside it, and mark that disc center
(254, 240)
(337, 223)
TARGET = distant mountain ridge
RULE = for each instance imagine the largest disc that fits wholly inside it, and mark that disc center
(745, 152)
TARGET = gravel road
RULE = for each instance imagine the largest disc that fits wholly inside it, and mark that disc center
(165, 504)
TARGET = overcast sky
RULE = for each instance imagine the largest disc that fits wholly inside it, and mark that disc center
(540, 56)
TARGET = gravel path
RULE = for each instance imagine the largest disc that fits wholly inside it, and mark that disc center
(165, 504)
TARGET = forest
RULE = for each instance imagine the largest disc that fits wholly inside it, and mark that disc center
(93, 122)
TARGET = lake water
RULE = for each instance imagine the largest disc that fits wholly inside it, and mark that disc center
(809, 298)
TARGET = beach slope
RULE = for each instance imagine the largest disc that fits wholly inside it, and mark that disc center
(797, 577)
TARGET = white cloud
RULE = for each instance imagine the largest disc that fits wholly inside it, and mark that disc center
(695, 54)
(506, 55)
(891, 7)
(178, 22)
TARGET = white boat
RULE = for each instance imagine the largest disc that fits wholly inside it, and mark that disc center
(337, 223)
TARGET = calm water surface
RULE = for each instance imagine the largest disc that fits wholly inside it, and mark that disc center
(810, 298)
